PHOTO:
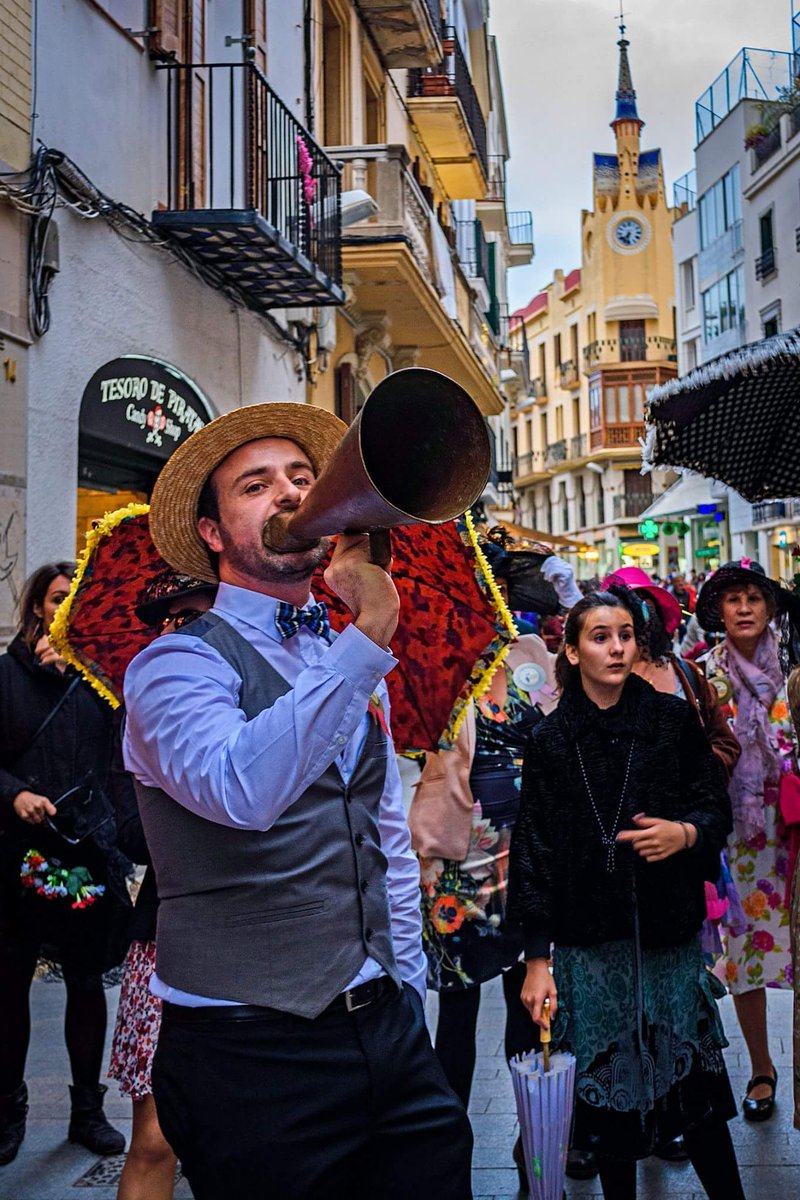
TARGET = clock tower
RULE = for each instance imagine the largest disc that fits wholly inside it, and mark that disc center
(600, 338)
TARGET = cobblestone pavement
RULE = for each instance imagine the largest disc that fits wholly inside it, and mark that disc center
(49, 1168)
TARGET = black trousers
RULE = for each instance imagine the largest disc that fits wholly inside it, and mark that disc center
(275, 1107)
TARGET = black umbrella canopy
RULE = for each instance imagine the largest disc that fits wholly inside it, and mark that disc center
(736, 419)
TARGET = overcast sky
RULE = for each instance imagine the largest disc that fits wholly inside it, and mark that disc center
(559, 62)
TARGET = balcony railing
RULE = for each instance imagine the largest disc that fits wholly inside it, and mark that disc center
(528, 464)
(474, 250)
(520, 227)
(250, 194)
(451, 77)
(769, 510)
(568, 374)
(770, 144)
(684, 191)
(632, 505)
(622, 435)
(496, 189)
(765, 264)
(556, 452)
(577, 446)
(653, 348)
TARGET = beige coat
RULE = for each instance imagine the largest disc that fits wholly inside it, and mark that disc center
(440, 817)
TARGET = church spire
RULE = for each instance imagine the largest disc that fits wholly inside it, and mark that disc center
(626, 95)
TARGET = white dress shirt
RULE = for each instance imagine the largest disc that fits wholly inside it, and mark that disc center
(186, 734)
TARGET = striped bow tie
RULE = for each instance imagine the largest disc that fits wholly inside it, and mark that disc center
(289, 619)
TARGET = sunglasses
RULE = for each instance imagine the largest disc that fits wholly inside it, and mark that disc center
(176, 620)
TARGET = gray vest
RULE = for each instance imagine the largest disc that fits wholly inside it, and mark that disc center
(282, 918)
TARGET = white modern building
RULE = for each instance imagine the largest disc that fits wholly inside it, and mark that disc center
(737, 257)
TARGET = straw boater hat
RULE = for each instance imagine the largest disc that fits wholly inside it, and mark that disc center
(173, 505)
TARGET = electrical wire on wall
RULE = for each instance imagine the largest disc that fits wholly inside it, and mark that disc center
(54, 181)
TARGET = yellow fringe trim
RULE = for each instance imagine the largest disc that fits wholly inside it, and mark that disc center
(480, 680)
(59, 629)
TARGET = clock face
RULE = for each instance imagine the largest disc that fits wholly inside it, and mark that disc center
(629, 233)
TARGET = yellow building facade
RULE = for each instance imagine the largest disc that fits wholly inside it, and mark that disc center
(598, 340)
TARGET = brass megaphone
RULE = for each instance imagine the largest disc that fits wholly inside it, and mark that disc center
(417, 453)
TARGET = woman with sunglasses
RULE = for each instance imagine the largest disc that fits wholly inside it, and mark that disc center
(66, 893)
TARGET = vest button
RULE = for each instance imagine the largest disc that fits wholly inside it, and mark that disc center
(360, 839)
(368, 935)
(364, 884)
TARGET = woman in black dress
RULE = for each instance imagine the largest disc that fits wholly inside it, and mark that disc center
(623, 815)
(56, 734)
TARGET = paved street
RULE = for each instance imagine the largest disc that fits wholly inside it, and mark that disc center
(48, 1168)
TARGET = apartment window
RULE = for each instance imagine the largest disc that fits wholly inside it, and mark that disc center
(720, 207)
(771, 319)
(632, 343)
(334, 75)
(601, 502)
(591, 325)
(576, 416)
(515, 436)
(574, 349)
(692, 355)
(564, 509)
(557, 350)
(596, 405)
(373, 112)
(543, 430)
(560, 423)
(687, 284)
(580, 501)
(723, 305)
(543, 362)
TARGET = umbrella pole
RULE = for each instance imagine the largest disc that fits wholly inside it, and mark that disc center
(544, 1037)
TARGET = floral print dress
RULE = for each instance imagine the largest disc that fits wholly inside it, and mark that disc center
(761, 956)
(466, 937)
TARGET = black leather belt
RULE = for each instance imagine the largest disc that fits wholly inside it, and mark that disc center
(349, 1001)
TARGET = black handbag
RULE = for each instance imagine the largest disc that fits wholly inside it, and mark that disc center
(81, 812)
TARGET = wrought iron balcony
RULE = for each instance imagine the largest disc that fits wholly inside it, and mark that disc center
(446, 109)
(765, 264)
(568, 374)
(577, 446)
(250, 195)
(769, 510)
(528, 464)
(407, 35)
(556, 452)
(631, 505)
(474, 250)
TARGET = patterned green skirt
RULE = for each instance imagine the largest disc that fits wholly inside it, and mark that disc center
(648, 1039)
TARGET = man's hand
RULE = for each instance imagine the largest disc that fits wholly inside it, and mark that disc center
(33, 808)
(539, 986)
(656, 839)
(367, 590)
(47, 656)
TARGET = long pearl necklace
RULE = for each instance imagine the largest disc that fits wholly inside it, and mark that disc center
(608, 840)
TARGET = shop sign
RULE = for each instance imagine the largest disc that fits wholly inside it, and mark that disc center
(143, 404)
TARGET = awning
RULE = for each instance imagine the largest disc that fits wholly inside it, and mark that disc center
(683, 498)
(549, 539)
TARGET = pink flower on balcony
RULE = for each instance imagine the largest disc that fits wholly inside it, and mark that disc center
(305, 164)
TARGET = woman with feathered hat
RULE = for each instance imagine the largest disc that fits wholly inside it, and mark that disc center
(740, 601)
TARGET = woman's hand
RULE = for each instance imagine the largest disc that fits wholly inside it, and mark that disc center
(48, 657)
(539, 986)
(31, 807)
(656, 839)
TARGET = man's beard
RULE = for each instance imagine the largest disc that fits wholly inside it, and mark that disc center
(269, 566)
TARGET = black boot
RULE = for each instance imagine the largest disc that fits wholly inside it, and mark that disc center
(88, 1124)
(13, 1111)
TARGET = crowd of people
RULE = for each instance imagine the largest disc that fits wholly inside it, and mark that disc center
(611, 836)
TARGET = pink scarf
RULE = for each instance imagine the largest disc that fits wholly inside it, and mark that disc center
(755, 686)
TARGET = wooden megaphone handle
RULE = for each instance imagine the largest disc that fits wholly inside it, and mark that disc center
(380, 547)
(545, 1035)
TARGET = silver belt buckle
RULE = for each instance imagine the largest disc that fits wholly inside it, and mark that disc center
(351, 1005)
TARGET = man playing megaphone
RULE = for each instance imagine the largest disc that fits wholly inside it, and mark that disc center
(293, 1058)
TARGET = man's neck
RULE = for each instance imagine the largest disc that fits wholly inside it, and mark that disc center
(293, 591)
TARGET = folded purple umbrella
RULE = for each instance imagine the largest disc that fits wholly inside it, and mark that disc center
(544, 1092)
